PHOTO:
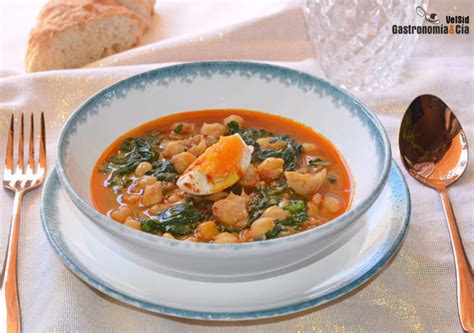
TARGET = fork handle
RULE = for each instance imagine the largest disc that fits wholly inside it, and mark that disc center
(9, 306)
(464, 275)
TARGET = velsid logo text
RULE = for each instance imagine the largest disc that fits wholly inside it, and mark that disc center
(455, 25)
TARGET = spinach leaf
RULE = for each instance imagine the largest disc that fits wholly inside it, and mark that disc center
(318, 162)
(274, 232)
(204, 206)
(269, 196)
(291, 154)
(166, 176)
(252, 135)
(127, 168)
(119, 182)
(150, 226)
(178, 128)
(127, 144)
(260, 202)
(133, 151)
(117, 160)
(180, 219)
(233, 128)
(331, 179)
(164, 170)
(136, 150)
(249, 136)
(281, 188)
(297, 213)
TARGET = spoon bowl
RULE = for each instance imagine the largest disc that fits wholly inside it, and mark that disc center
(434, 151)
(432, 142)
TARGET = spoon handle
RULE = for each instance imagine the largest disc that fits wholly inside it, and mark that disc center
(464, 275)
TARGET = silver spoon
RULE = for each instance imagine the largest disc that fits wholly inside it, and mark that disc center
(434, 150)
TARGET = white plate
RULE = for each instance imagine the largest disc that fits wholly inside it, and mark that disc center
(79, 244)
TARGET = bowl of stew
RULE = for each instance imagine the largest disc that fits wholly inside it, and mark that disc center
(223, 170)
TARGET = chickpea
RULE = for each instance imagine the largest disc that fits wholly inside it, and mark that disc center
(317, 198)
(309, 148)
(238, 119)
(152, 195)
(191, 239)
(226, 237)
(207, 230)
(142, 168)
(260, 227)
(276, 213)
(209, 139)
(306, 184)
(131, 199)
(120, 214)
(269, 143)
(331, 204)
(198, 149)
(167, 235)
(192, 140)
(175, 197)
(146, 180)
(216, 130)
(173, 148)
(182, 161)
(132, 223)
(186, 128)
(313, 209)
(270, 168)
(157, 209)
(245, 236)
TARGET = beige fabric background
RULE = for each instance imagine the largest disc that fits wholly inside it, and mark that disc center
(415, 293)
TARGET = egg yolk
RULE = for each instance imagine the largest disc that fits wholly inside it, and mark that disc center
(221, 160)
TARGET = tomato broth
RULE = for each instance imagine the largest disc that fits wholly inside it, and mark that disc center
(296, 179)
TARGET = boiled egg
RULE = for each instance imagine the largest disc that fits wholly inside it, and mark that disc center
(219, 167)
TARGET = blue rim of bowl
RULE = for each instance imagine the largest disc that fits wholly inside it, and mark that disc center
(214, 67)
(375, 264)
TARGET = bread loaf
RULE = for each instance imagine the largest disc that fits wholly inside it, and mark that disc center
(73, 33)
(143, 8)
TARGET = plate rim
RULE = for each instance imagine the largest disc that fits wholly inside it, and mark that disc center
(375, 265)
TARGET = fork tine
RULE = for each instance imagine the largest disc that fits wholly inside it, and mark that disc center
(9, 155)
(43, 143)
(21, 159)
(31, 154)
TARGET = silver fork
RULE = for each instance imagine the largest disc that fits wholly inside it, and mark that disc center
(18, 180)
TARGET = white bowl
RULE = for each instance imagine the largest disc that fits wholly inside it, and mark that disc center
(344, 120)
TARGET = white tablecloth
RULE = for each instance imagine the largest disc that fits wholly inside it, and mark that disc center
(416, 292)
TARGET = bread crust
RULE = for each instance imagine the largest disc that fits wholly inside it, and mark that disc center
(58, 16)
(143, 8)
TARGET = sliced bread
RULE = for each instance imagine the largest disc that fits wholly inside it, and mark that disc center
(143, 8)
(70, 34)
